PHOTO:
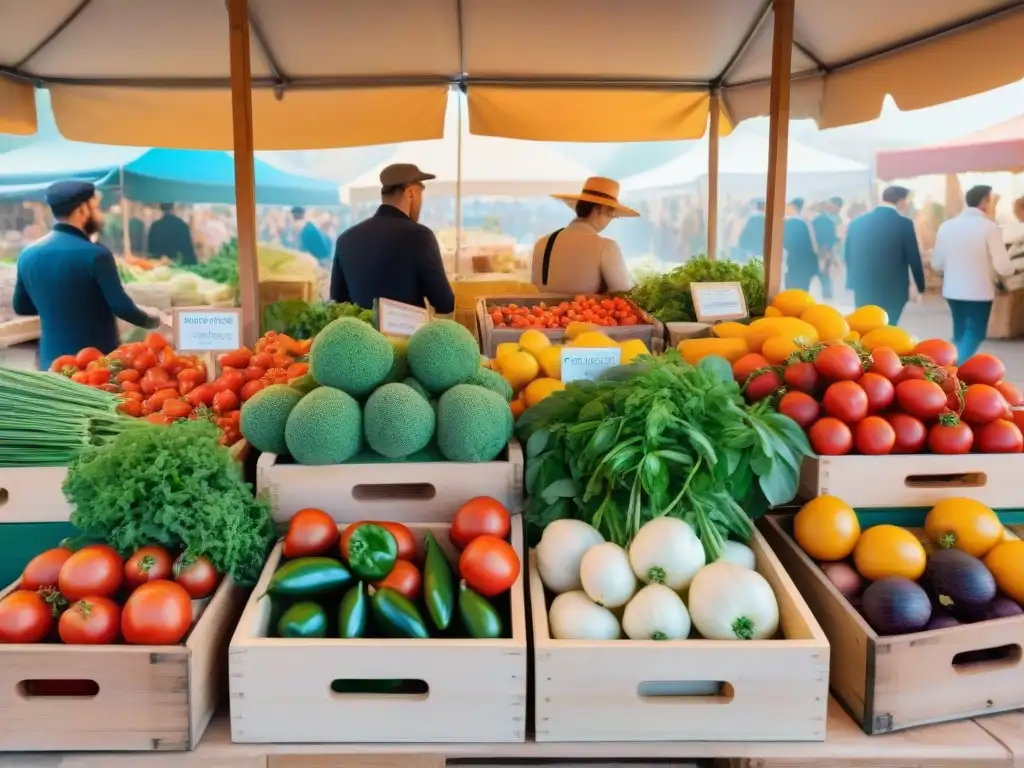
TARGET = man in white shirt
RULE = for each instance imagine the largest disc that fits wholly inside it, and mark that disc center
(969, 252)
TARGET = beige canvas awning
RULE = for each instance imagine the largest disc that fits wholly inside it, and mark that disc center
(330, 74)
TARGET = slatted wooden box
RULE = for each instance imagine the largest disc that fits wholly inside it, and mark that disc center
(33, 495)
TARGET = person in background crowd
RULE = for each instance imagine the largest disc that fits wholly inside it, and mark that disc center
(881, 254)
(391, 255)
(801, 253)
(752, 236)
(170, 236)
(136, 229)
(576, 259)
(826, 225)
(72, 283)
(1017, 245)
(311, 239)
(968, 249)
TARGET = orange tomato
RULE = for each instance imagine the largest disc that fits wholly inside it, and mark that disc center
(1006, 562)
(965, 524)
(826, 528)
(888, 550)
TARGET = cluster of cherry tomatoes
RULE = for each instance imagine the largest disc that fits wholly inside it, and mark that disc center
(158, 384)
(878, 403)
(94, 597)
(582, 309)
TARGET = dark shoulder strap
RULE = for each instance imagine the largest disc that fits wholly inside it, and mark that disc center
(546, 264)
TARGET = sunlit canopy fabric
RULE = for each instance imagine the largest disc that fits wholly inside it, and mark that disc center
(152, 175)
(358, 72)
(994, 149)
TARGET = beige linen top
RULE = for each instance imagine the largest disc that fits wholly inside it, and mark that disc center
(581, 262)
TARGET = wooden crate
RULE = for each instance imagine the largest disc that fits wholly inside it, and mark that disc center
(33, 495)
(406, 492)
(889, 683)
(144, 697)
(772, 690)
(914, 480)
(676, 332)
(19, 330)
(652, 333)
(281, 688)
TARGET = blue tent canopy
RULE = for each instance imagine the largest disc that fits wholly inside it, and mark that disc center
(152, 175)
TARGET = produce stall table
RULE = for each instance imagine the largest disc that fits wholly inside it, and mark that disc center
(984, 743)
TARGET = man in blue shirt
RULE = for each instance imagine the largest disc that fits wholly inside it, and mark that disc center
(72, 283)
(798, 242)
(311, 239)
(826, 232)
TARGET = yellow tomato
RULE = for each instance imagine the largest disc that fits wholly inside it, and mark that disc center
(965, 524)
(896, 339)
(695, 350)
(829, 323)
(632, 348)
(1006, 562)
(793, 302)
(851, 337)
(826, 528)
(507, 348)
(538, 389)
(771, 311)
(888, 550)
(574, 329)
(550, 360)
(519, 369)
(865, 319)
(591, 339)
(730, 330)
(778, 349)
(791, 328)
(533, 341)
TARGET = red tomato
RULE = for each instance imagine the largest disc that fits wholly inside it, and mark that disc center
(477, 517)
(911, 433)
(131, 386)
(920, 397)
(839, 362)
(403, 536)
(489, 565)
(128, 374)
(154, 380)
(950, 436)
(157, 399)
(404, 579)
(238, 359)
(80, 377)
(25, 617)
(250, 388)
(297, 370)
(802, 377)
(86, 356)
(43, 569)
(63, 362)
(225, 401)
(310, 532)
(939, 351)
(982, 369)
(144, 360)
(846, 401)
(763, 385)
(192, 376)
(98, 376)
(254, 373)
(170, 362)
(264, 360)
(157, 613)
(830, 437)
(159, 418)
(92, 621)
(176, 409)
(746, 365)
(196, 575)
(1018, 418)
(201, 395)
(800, 407)
(1000, 436)
(155, 341)
(880, 391)
(230, 380)
(874, 436)
(94, 571)
(1013, 395)
(147, 564)
(983, 404)
(886, 363)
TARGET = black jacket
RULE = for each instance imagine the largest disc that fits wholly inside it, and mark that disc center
(390, 256)
(170, 236)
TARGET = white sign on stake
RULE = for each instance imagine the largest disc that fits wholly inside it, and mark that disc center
(199, 329)
(718, 301)
(398, 319)
(588, 363)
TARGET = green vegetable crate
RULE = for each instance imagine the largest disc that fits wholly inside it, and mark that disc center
(446, 689)
(892, 682)
(407, 491)
(685, 690)
(117, 698)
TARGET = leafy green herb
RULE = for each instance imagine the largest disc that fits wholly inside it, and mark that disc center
(659, 437)
(222, 267)
(304, 320)
(668, 297)
(176, 487)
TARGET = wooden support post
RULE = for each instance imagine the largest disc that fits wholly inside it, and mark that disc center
(778, 144)
(715, 110)
(245, 181)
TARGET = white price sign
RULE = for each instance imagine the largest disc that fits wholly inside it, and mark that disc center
(398, 319)
(207, 330)
(589, 363)
(718, 301)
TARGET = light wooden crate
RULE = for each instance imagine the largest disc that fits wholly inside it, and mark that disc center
(19, 330)
(405, 492)
(914, 480)
(652, 333)
(678, 331)
(281, 688)
(889, 683)
(771, 690)
(33, 495)
(139, 697)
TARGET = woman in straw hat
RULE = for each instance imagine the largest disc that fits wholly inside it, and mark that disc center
(576, 259)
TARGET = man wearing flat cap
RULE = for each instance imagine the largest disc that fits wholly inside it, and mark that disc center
(391, 255)
(72, 283)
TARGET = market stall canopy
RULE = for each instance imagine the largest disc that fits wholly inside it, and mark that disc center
(994, 149)
(362, 72)
(152, 175)
(490, 166)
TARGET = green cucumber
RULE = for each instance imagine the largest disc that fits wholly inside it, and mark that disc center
(309, 576)
(397, 616)
(481, 619)
(353, 613)
(438, 584)
(303, 620)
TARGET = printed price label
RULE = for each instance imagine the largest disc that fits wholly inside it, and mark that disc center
(207, 330)
(398, 319)
(589, 364)
(718, 301)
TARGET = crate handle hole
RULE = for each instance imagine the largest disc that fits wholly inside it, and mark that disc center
(987, 659)
(685, 692)
(409, 690)
(4, 496)
(394, 492)
(954, 480)
(48, 689)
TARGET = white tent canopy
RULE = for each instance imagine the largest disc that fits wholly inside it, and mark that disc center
(490, 166)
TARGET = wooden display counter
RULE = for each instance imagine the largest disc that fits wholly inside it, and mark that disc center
(983, 743)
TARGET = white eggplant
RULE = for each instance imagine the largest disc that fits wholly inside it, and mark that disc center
(666, 551)
(656, 613)
(607, 576)
(730, 602)
(560, 551)
(574, 616)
